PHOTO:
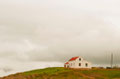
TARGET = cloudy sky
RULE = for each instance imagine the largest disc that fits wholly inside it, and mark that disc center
(42, 33)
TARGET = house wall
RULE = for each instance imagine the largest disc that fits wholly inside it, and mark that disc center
(75, 63)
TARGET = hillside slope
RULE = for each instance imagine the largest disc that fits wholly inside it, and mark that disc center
(61, 73)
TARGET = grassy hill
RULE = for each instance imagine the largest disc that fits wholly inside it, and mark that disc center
(62, 73)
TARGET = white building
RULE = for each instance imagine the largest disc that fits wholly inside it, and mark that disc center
(77, 62)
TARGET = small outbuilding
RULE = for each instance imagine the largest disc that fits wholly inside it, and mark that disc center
(77, 62)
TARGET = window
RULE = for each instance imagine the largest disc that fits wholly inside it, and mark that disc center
(86, 64)
(79, 64)
(79, 59)
(67, 66)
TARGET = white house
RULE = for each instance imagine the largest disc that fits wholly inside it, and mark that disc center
(77, 62)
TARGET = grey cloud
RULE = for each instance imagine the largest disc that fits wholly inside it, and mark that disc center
(79, 35)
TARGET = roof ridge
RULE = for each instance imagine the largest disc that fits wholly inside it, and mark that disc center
(74, 58)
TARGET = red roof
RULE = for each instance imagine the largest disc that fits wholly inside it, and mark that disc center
(74, 58)
(67, 63)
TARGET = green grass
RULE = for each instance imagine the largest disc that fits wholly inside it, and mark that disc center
(62, 73)
(48, 71)
(75, 74)
(110, 74)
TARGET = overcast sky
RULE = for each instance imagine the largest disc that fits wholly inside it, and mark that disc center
(36, 32)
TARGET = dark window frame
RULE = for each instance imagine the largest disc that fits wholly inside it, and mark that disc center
(79, 59)
(86, 64)
(79, 64)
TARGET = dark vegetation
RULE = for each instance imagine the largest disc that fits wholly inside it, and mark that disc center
(62, 73)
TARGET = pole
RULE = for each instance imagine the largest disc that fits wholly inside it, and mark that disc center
(111, 60)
